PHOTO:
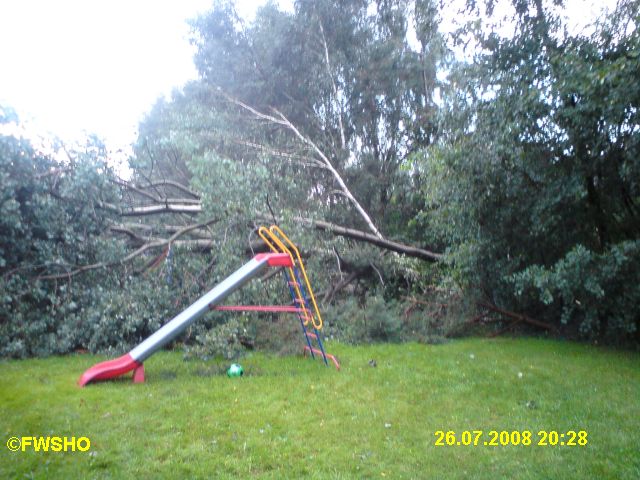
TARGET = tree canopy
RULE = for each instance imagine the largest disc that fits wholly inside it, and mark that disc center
(535, 189)
(499, 189)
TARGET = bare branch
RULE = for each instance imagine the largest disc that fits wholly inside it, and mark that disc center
(152, 209)
(281, 119)
(301, 160)
(374, 240)
(518, 317)
(366, 237)
(336, 175)
(260, 115)
(171, 183)
(131, 230)
(336, 192)
(378, 272)
(130, 233)
(165, 208)
(131, 256)
(331, 292)
(139, 191)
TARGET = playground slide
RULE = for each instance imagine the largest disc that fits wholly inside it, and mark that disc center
(133, 361)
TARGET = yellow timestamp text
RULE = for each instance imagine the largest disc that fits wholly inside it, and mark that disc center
(502, 438)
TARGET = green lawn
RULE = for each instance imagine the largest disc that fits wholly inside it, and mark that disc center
(293, 418)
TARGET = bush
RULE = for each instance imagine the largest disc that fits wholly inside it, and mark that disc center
(533, 189)
(41, 319)
(597, 293)
(281, 335)
(382, 321)
(226, 340)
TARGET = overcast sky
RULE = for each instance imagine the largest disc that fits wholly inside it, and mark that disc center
(75, 66)
(70, 66)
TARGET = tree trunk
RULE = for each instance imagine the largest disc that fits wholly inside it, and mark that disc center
(361, 236)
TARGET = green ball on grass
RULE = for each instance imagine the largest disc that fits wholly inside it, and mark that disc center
(235, 370)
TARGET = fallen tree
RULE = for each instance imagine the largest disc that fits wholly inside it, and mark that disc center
(361, 236)
(144, 237)
(203, 242)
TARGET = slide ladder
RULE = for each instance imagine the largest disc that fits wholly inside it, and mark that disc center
(301, 292)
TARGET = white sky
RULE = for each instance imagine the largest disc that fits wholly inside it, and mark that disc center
(74, 66)
(70, 67)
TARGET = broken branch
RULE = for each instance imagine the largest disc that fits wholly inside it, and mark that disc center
(131, 256)
(518, 316)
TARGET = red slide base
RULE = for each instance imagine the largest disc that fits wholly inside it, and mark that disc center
(113, 368)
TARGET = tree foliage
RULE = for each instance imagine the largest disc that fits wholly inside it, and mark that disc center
(343, 74)
(535, 190)
(307, 115)
(53, 222)
(352, 125)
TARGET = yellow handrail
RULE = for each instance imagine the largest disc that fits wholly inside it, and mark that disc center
(275, 229)
(265, 240)
(283, 249)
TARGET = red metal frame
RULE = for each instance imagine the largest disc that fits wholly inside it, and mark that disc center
(258, 308)
(275, 259)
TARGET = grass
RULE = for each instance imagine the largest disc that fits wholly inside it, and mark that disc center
(291, 418)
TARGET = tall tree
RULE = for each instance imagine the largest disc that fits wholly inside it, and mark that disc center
(536, 188)
(306, 118)
(336, 83)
